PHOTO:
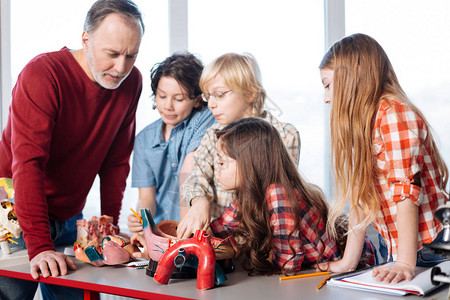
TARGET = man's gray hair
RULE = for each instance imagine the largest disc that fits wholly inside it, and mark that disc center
(102, 8)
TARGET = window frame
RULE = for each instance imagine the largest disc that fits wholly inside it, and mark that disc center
(5, 61)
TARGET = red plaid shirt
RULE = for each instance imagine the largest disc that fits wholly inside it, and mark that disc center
(306, 243)
(401, 151)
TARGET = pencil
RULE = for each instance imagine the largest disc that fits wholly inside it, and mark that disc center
(136, 214)
(304, 275)
(320, 285)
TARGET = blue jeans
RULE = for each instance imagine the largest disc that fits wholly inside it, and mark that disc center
(63, 233)
(425, 256)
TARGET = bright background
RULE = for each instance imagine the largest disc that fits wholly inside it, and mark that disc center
(286, 37)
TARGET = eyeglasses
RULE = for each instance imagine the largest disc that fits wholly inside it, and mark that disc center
(218, 95)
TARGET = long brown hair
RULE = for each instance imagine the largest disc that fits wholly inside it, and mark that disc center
(262, 160)
(363, 77)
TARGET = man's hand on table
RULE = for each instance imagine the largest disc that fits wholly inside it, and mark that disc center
(50, 263)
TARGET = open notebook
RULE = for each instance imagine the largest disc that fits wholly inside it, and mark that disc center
(420, 285)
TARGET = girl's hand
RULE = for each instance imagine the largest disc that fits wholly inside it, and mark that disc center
(134, 224)
(394, 273)
(337, 266)
(139, 240)
(198, 217)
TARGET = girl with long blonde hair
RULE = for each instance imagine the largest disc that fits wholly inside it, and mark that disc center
(385, 161)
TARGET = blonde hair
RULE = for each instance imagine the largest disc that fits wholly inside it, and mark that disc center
(241, 74)
(363, 77)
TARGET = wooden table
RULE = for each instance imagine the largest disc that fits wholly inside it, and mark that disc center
(130, 282)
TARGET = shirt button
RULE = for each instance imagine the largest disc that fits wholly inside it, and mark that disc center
(407, 181)
(173, 165)
(402, 197)
(172, 139)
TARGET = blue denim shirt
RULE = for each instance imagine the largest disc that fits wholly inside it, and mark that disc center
(157, 163)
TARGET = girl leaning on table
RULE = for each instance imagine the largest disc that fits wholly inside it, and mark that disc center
(277, 218)
(385, 161)
(231, 85)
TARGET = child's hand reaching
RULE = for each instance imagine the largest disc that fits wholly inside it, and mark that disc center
(139, 240)
(394, 273)
(134, 224)
(337, 266)
(198, 217)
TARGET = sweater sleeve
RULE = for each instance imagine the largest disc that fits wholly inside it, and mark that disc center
(33, 111)
(115, 168)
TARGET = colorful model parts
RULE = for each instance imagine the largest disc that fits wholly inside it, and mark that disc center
(6, 189)
(160, 237)
(8, 220)
(94, 229)
(9, 225)
(113, 250)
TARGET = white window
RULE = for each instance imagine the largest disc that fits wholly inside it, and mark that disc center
(287, 39)
(415, 36)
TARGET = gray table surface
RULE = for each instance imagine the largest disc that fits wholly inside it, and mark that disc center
(238, 285)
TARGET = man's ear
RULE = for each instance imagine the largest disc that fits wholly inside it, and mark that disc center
(85, 39)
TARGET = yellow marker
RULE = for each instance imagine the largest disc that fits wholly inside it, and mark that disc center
(304, 275)
(320, 285)
(136, 215)
(9, 236)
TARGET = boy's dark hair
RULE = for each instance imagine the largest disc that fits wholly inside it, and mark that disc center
(102, 8)
(185, 68)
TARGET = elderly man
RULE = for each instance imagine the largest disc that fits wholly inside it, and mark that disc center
(72, 117)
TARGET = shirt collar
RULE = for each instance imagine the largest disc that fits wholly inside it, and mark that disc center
(158, 138)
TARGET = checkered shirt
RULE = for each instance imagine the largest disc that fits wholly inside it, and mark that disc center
(306, 242)
(202, 181)
(401, 150)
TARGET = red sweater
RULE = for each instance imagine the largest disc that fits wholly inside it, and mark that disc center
(62, 131)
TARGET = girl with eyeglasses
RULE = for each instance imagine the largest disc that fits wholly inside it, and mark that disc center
(232, 87)
(163, 150)
(385, 160)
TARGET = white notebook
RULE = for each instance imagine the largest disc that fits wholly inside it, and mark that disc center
(420, 285)
(137, 263)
